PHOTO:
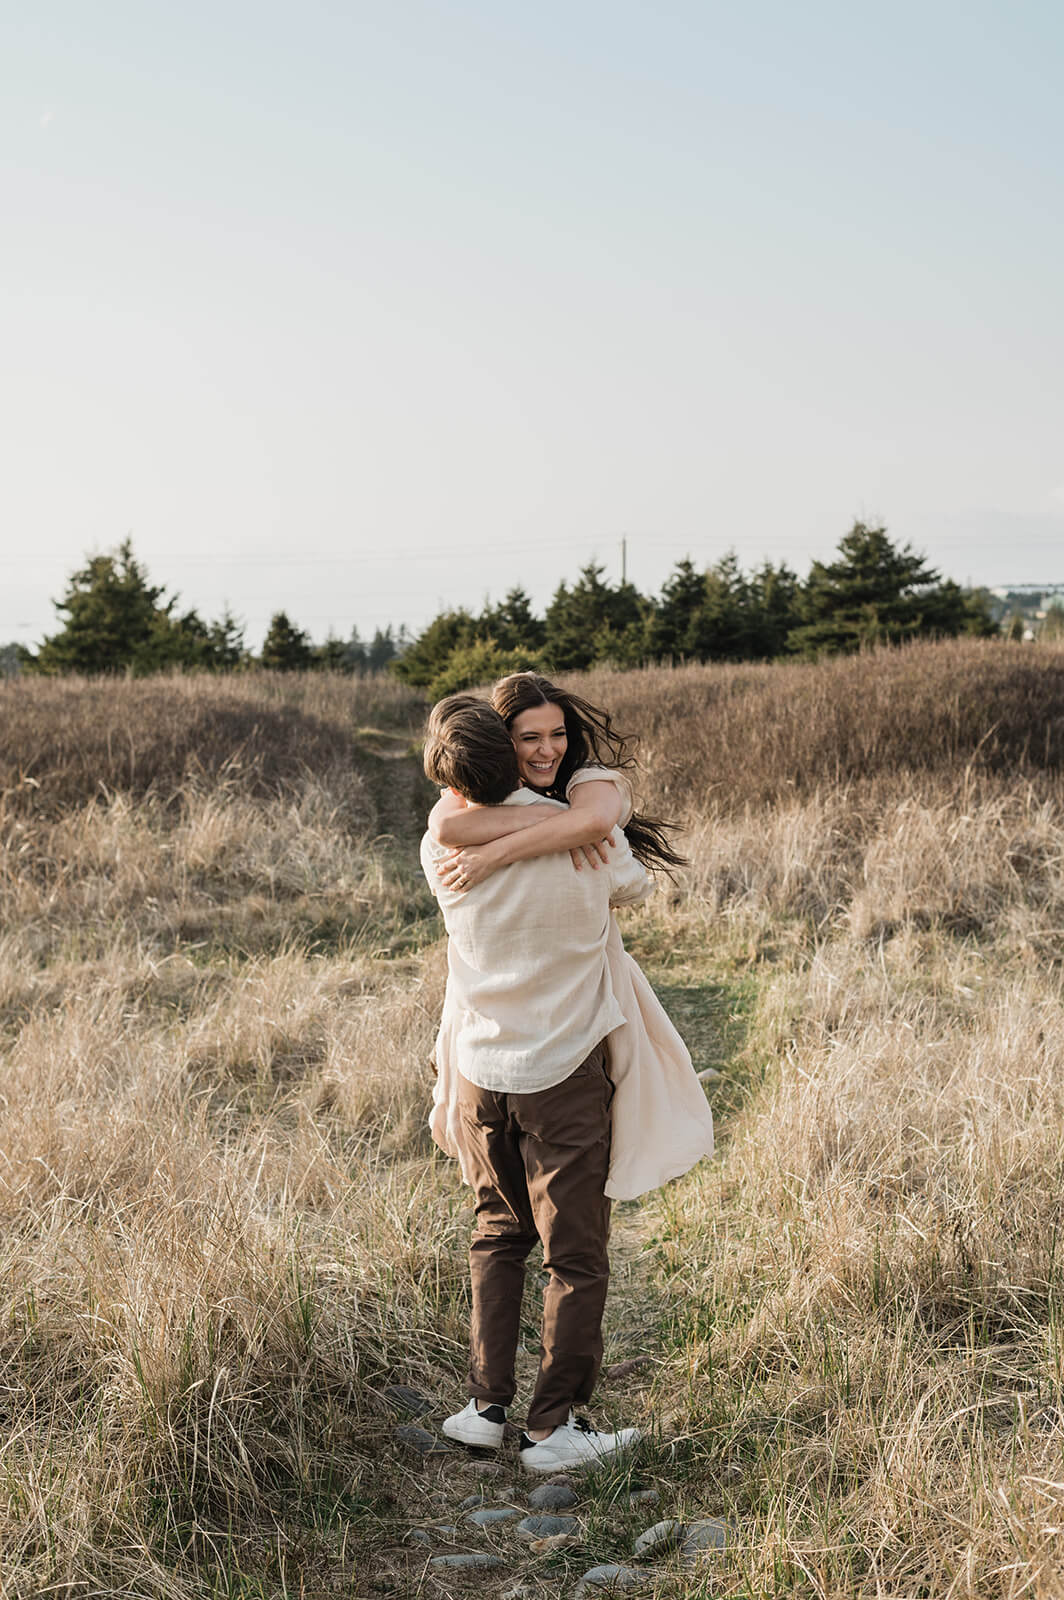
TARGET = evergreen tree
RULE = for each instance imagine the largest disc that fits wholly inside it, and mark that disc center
(382, 650)
(683, 594)
(874, 593)
(423, 660)
(979, 618)
(773, 597)
(331, 655)
(481, 663)
(285, 648)
(354, 653)
(115, 620)
(512, 624)
(720, 629)
(225, 643)
(578, 616)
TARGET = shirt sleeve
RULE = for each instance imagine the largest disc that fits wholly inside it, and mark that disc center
(629, 881)
(605, 775)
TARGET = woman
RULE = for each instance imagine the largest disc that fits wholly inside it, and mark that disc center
(568, 750)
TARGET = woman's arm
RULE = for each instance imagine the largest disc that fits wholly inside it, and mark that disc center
(594, 809)
(451, 821)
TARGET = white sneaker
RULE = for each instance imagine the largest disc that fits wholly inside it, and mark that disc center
(470, 1426)
(574, 1443)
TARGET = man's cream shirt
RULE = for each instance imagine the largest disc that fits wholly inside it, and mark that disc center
(528, 985)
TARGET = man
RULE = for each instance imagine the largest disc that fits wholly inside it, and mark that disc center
(529, 1005)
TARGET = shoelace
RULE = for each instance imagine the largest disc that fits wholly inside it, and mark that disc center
(584, 1425)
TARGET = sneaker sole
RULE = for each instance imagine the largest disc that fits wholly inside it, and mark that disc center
(486, 1440)
(581, 1463)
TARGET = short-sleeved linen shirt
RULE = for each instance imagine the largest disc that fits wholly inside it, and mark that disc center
(528, 985)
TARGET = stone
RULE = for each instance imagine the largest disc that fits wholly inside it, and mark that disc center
(643, 1497)
(402, 1398)
(468, 1464)
(710, 1534)
(444, 1530)
(418, 1536)
(471, 1500)
(472, 1558)
(544, 1527)
(552, 1497)
(489, 1516)
(419, 1439)
(610, 1577)
(662, 1536)
(709, 1075)
(621, 1369)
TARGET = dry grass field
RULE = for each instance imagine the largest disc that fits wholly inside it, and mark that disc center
(225, 1233)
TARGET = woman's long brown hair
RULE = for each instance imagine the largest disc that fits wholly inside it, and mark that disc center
(591, 740)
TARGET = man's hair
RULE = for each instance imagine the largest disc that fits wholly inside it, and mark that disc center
(468, 748)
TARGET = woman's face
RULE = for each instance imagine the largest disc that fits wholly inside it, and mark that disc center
(539, 739)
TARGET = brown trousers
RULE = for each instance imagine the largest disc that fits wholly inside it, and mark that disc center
(538, 1165)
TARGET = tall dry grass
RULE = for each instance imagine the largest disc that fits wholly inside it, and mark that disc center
(224, 1231)
(726, 737)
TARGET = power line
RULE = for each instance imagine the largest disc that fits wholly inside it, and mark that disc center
(530, 547)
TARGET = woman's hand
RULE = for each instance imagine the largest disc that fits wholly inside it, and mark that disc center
(464, 868)
(595, 853)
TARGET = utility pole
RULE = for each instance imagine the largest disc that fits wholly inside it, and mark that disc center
(624, 560)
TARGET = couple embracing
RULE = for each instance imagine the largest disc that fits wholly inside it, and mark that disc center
(561, 1083)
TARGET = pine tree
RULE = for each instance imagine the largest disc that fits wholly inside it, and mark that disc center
(773, 596)
(874, 593)
(720, 629)
(225, 639)
(582, 620)
(683, 594)
(423, 660)
(512, 624)
(115, 620)
(382, 650)
(285, 648)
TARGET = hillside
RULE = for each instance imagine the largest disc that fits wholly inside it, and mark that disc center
(227, 1236)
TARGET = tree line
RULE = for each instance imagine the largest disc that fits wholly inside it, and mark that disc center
(115, 620)
(872, 593)
(875, 592)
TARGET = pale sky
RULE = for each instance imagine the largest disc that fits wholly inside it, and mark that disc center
(362, 310)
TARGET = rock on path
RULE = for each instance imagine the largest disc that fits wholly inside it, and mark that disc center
(401, 1397)
(710, 1534)
(491, 1516)
(421, 1440)
(545, 1527)
(552, 1497)
(662, 1536)
(609, 1577)
(474, 1558)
